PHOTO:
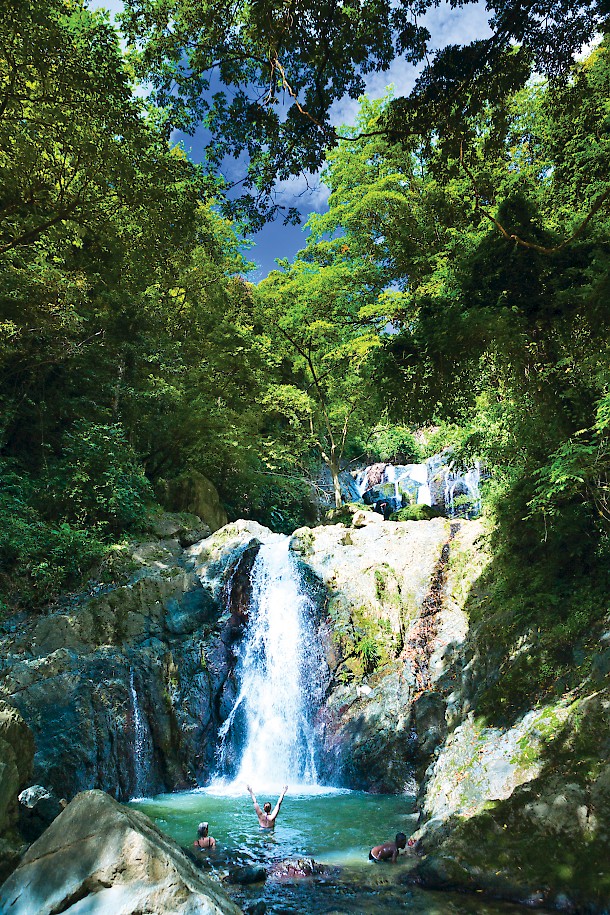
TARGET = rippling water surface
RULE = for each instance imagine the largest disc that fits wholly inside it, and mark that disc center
(332, 826)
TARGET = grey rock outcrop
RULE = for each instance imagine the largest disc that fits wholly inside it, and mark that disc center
(125, 689)
(378, 578)
(99, 856)
(517, 807)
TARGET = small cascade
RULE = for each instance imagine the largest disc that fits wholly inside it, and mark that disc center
(436, 482)
(140, 743)
(270, 727)
(466, 485)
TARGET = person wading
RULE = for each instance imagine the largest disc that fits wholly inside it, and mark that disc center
(203, 840)
(267, 817)
(389, 851)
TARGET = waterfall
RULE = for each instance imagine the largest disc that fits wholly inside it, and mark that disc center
(140, 743)
(270, 725)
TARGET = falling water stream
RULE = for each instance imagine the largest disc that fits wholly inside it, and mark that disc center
(278, 671)
(140, 743)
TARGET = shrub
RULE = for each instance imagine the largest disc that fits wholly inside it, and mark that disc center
(416, 513)
(99, 482)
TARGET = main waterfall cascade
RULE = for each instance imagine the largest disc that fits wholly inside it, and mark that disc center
(270, 727)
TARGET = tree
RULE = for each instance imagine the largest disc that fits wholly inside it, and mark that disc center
(263, 77)
(315, 307)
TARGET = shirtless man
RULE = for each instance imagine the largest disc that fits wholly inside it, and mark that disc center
(389, 851)
(203, 840)
(266, 818)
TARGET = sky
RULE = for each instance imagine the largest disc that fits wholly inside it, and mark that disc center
(446, 26)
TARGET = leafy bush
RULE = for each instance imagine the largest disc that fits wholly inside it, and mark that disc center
(38, 558)
(416, 513)
(394, 443)
(99, 482)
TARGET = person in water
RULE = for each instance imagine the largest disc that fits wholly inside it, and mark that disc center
(389, 851)
(203, 840)
(267, 817)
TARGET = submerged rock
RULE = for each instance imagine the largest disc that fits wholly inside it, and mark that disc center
(99, 856)
(254, 873)
(300, 868)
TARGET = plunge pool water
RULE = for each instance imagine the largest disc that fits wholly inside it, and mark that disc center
(332, 826)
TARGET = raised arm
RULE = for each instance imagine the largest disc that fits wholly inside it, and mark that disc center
(276, 809)
(259, 812)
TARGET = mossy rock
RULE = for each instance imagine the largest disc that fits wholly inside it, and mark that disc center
(345, 514)
(416, 513)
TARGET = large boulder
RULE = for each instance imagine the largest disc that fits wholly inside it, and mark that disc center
(192, 492)
(98, 856)
(16, 760)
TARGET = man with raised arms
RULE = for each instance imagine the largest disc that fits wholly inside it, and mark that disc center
(267, 817)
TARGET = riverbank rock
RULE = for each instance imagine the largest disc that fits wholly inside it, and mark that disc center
(514, 806)
(378, 578)
(16, 762)
(99, 856)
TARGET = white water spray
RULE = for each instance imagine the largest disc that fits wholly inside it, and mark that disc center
(277, 670)
(140, 744)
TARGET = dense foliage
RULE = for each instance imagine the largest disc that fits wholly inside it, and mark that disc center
(459, 280)
(128, 348)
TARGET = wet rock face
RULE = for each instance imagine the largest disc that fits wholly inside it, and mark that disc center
(125, 690)
(100, 855)
(378, 578)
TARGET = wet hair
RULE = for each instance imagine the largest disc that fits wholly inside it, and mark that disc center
(401, 839)
(201, 829)
(267, 807)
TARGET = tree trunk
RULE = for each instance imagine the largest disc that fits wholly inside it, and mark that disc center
(336, 485)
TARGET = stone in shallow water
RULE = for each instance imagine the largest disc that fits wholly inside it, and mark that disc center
(244, 875)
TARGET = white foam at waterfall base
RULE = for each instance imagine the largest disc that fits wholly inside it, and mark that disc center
(276, 670)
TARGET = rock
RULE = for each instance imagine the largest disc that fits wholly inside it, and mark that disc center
(142, 642)
(16, 758)
(362, 518)
(255, 873)
(16, 762)
(192, 492)
(98, 855)
(300, 868)
(523, 812)
(38, 807)
(376, 577)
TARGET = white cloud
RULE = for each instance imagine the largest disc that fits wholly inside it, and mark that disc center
(304, 191)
